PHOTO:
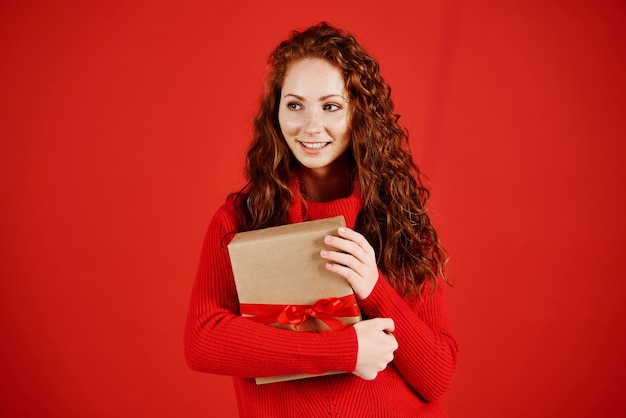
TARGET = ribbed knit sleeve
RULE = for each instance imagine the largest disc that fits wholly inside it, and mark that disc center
(218, 340)
(427, 350)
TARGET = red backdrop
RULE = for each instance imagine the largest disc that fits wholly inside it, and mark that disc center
(124, 126)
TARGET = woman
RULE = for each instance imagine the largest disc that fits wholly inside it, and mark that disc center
(327, 143)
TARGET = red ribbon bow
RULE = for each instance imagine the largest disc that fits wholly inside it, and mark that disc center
(326, 310)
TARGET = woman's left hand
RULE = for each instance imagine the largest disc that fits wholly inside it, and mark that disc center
(355, 260)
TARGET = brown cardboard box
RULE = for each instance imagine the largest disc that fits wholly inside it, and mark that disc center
(281, 266)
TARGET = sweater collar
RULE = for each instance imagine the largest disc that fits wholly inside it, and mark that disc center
(302, 210)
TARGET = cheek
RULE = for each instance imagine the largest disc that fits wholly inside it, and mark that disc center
(288, 125)
(340, 126)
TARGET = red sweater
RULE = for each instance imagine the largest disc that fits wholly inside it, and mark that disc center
(218, 340)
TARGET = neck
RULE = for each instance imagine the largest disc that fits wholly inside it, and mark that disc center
(326, 184)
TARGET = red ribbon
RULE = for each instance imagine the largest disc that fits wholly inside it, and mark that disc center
(326, 310)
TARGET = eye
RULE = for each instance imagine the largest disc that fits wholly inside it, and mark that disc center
(331, 107)
(294, 106)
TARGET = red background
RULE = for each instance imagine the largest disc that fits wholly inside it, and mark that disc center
(124, 126)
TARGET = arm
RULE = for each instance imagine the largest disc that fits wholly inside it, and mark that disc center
(427, 351)
(218, 340)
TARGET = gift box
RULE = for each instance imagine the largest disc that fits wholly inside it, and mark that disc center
(282, 280)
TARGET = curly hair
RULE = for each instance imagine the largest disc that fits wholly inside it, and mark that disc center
(394, 218)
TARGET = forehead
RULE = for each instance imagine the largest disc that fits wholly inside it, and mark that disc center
(313, 74)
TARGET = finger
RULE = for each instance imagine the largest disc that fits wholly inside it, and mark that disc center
(357, 238)
(352, 235)
(345, 259)
(350, 247)
(347, 273)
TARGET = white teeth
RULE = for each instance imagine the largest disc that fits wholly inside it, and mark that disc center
(314, 145)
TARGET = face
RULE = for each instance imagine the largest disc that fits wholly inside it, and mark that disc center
(313, 113)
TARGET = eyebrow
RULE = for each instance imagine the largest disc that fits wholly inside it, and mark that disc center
(321, 99)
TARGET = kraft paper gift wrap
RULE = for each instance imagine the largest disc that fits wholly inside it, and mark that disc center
(282, 280)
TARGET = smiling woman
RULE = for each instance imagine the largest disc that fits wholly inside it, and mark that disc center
(327, 143)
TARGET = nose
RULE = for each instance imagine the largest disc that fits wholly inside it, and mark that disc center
(312, 124)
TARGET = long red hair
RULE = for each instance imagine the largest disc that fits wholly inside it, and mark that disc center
(394, 218)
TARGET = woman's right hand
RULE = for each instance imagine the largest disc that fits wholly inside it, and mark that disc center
(376, 346)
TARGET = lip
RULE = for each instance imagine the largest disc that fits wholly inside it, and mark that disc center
(319, 146)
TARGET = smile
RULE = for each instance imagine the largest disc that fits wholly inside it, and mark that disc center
(314, 145)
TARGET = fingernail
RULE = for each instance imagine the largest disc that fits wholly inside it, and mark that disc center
(324, 253)
(342, 230)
